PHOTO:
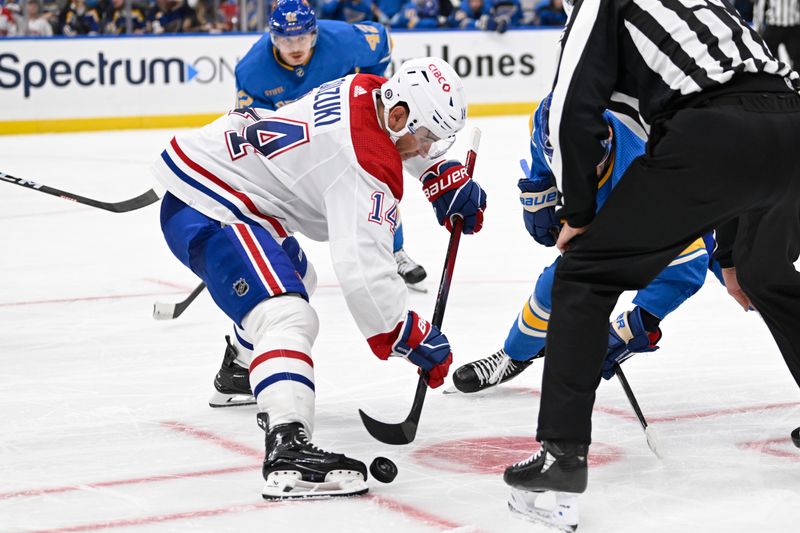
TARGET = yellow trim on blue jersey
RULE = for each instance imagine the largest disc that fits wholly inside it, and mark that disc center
(696, 245)
(530, 123)
(607, 175)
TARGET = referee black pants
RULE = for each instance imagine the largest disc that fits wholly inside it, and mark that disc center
(733, 157)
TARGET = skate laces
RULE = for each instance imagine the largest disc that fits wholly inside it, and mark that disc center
(530, 459)
(492, 369)
(302, 438)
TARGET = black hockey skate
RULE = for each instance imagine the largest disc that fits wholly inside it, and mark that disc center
(796, 437)
(295, 468)
(412, 273)
(559, 466)
(232, 382)
(490, 371)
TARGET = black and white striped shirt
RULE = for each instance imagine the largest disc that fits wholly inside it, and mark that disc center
(638, 56)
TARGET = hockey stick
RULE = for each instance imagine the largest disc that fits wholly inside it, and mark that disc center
(166, 311)
(649, 434)
(406, 431)
(124, 206)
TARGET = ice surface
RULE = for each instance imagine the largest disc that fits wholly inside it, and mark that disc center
(104, 422)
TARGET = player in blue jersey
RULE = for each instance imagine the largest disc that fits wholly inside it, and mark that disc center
(633, 331)
(297, 55)
(300, 53)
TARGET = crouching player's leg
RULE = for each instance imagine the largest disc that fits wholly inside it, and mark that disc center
(638, 331)
(635, 331)
(232, 382)
(524, 343)
(253, 280)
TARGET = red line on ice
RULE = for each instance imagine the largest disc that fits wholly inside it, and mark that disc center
(179, 286)
(131, 481)
(183, 289)
(202, 513)
(85, 299)
(207, 436)
(386, 503)
(628, 413)
(722, 412)
(767, 447)
(413, 512)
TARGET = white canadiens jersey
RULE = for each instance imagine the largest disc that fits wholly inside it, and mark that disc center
(321, 166)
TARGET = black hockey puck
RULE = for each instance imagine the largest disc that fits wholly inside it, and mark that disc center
(795, 438)
(383, 469)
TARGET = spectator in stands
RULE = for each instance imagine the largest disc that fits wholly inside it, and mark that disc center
(420, 14)
(549, 13)
(38, 23)
(488, 15)
(79, 17)
(209, 20)
(389, 8)
(351, 11)
(9, 19)
(114, 21)
(170, 16)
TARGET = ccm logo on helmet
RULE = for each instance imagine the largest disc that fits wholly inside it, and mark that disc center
(439, 77)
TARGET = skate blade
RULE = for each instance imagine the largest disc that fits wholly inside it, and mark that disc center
(454, 390)
(289, 486)
(220, 399)
(562, 517)
(417, 287)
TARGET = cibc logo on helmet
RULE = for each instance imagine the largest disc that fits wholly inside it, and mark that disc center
(439, 77)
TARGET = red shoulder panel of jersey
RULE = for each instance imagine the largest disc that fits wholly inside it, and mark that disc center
(374, 149)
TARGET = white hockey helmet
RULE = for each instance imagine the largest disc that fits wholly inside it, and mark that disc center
(434, 94)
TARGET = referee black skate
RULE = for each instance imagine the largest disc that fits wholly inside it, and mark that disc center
(724, 127)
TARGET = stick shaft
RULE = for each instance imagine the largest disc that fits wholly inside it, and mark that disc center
(131, 204)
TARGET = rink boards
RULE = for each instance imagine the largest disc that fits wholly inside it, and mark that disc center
(76, 84)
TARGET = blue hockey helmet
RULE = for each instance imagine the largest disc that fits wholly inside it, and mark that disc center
(291, 18)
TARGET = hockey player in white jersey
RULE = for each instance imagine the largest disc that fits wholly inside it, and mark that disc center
(328, 166)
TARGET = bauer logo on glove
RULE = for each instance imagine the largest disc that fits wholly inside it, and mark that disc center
(445, 181)
(533, 201)
(452, 192)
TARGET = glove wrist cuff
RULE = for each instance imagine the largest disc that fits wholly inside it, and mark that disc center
(413, 332)
(622, 327)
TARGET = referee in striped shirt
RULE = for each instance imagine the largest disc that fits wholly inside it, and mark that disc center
(779, 23)
(723, 120)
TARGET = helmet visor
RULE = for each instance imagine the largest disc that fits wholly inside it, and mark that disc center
(431, 146)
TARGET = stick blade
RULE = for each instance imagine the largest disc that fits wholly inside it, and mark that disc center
(143, 200)
(162, 311)
(397, 434)
(652, 442)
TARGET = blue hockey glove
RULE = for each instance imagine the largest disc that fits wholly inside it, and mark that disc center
(424, 345)
(539, 200)
(452, 192)
(627, 336)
